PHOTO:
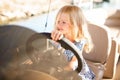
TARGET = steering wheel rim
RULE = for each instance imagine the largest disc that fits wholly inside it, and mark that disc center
(65, 43)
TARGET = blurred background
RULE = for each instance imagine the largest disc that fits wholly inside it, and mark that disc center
(12, 10)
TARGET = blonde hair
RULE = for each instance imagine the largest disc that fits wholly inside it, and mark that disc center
(77, 19)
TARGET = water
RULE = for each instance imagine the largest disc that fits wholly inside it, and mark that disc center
(37, 23)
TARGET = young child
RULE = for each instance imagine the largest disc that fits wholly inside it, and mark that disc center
(70, 23)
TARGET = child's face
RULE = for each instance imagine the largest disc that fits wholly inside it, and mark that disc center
(64, 25)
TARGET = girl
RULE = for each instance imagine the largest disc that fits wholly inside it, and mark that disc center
(70, 23)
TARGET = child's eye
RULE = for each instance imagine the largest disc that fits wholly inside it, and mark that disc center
(64, 22)
(58, 22)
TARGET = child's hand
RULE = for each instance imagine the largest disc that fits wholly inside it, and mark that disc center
(72, 64)
(56, 35)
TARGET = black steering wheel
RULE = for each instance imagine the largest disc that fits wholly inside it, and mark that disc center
(65, 43)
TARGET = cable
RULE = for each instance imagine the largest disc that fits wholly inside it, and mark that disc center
(47, 15)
